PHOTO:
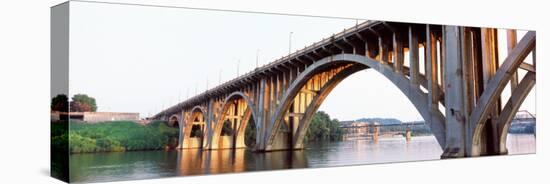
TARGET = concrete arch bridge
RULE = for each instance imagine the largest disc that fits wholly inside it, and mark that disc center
(452, 75)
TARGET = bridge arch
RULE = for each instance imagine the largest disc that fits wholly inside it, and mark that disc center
(194, 129)
(198, 108)
(245, 110)
(197, 118)
(177, 121)
(433, 117)
(174, 121)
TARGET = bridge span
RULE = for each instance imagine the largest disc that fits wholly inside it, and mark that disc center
(451, 74)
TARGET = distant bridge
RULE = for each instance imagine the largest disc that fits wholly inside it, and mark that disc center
(459, 71)
(384, 125)
(373, 131)
(524, 115)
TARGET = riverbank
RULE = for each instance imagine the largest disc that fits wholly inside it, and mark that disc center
(118, 136)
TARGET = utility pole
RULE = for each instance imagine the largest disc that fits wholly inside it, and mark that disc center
(238, 63)
(257, 57)
(220, 77)
(196, 88)
(289, 42)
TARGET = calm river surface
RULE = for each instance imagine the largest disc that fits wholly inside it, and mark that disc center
(99, 167)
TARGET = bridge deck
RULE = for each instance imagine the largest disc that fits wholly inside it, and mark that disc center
(344, 40)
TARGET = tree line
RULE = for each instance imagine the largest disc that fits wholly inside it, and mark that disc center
(78, 103)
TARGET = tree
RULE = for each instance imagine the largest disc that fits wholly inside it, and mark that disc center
(323, 128)
(83, 103)
(60, 103)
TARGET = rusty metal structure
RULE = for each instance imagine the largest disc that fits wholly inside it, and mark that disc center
(451, 74)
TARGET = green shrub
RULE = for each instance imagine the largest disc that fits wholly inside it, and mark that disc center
(118, 136)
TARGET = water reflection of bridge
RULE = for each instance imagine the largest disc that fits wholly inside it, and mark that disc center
(236, 160)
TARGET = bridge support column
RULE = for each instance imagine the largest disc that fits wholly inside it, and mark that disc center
(262, 118)
(240, 130)
(186, 131)
(489, 138)
(284, 137)
(207, 128)
(375, 133)
(282, 141)
(182, 125)
(408, 134)
(456, 90)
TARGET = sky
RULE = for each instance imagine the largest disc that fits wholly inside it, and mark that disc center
(145, 59)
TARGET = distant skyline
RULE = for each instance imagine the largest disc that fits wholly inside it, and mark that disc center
(146, 59)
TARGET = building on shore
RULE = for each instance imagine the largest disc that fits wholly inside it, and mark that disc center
(94, 117)
(357, 129)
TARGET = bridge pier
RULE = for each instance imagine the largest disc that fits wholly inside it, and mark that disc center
(281, 142)
(408, 135)
(456, 90)
(461, 65)
(375, 133)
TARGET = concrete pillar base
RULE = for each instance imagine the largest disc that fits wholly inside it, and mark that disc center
(452, 153)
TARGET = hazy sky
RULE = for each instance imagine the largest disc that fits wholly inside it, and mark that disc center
(144, 59)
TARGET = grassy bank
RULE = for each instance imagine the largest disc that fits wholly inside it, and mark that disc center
(120, 136)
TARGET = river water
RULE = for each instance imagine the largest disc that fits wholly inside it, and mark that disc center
(97, 167)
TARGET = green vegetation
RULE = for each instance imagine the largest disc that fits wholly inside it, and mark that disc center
(322, 128)
(60, 103)
(59, 150)
(59, 136)
(83, 103)
(250, 133)
(118, 136)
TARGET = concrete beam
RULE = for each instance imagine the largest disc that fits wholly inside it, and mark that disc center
(398, 52)
(413, 56)
(308, 91)
(528, 67)
(431, 68)
(511, 38)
